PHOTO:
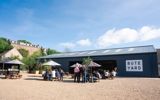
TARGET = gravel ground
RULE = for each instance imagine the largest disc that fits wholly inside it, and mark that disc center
(32, 87)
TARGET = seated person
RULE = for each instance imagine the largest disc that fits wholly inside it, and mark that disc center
(98, 75)
(107, 74)
(113, 74)
(95, 76)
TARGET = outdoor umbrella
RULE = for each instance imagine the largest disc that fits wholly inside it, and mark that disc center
(75, 65)
(91, 65)
(14, 62)
(51, 63)
(17, 62)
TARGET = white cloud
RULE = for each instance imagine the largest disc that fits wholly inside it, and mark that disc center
(84, 42)
(149, 33)
(68, 45)
(127, 35)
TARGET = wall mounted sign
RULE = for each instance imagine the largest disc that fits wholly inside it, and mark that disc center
(134, 65)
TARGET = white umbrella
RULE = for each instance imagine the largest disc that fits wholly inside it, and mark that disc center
(51, 63)
(14, 62)
(75, 65)
(91, 65)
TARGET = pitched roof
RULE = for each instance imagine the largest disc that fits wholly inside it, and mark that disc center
(102, 52)
(11, 52)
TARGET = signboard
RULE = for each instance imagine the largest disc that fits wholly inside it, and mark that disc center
(134, 65)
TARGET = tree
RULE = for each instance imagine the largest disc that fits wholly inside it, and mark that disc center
(5, 45)
(24, 52)
(14, 57)
(51, 51)
(24, 41)
(31, 62)
(43, 52)
(86, 61)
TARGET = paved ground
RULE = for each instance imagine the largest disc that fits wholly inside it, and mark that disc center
(32, 87)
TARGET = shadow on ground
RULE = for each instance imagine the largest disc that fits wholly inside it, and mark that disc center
(33, 76)
(36, 79)
(68, 81)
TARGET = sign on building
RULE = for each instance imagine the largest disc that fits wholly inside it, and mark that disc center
(134, 65)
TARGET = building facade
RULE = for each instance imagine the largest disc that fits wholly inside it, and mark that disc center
(140, 61)
(30, 47)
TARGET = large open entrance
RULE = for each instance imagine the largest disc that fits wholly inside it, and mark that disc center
(107, 64)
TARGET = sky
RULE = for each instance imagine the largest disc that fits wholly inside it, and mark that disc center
(78, 25)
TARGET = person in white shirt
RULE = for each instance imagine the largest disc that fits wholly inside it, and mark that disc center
(114, 73)
(53, 74)
(107, 74)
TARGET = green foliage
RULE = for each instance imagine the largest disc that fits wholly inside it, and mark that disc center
(24, 41)
(86, 61)
(50, 51)
(24, 52)
(4, 45)
(42, 52)
(14, 57)
(30, 61)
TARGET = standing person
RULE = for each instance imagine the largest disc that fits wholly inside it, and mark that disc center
(76, 72)
(57, 75)
(61, 74)
(53, 74)
(46, 75)
(79, 76)
(84, 74)
(50, 75)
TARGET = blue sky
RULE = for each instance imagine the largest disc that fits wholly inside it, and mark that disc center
(78, 25)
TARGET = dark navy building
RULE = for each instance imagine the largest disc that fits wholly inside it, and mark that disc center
(139, 61)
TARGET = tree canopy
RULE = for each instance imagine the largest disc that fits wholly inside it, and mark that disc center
(30, 61)
(24, 41)
(5, 45)
(51, 51)
(86, 61)
(24, 52)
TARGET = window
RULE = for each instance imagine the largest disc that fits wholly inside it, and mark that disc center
(92, 52)
(106, 51)
(118, 50)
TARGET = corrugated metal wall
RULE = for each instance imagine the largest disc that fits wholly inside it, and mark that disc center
(150, 67)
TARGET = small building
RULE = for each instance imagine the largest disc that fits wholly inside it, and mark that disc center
(139, 61)
(10, 53)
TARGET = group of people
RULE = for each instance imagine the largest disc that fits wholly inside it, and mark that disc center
(81, 74)
(110, 75)
(84, 75)
(56, 74)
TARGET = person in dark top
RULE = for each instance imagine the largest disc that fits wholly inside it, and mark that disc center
(46, 75)
(58, 75)
(76, 74)
(61, 74)
(50, 75)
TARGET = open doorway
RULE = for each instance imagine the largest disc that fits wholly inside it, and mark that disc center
(107, 64)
